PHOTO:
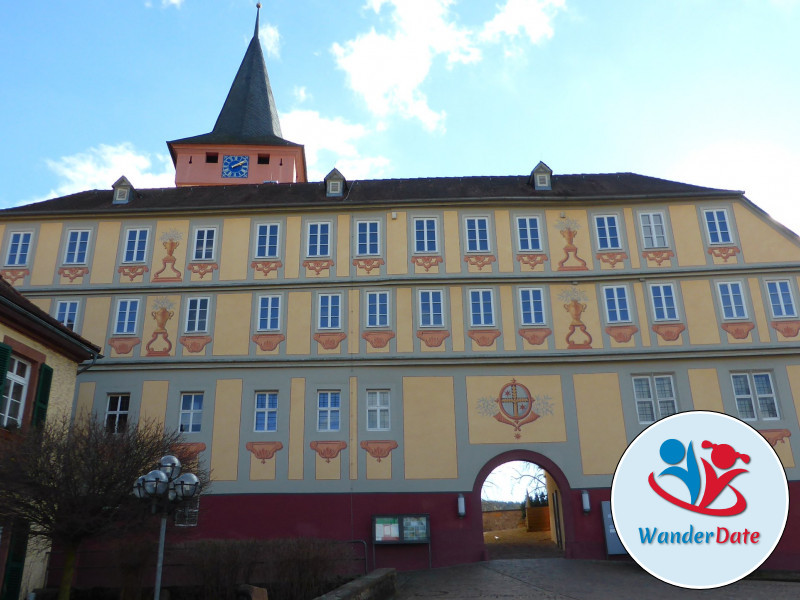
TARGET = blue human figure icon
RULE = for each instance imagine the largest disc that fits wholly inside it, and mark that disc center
(672, 453)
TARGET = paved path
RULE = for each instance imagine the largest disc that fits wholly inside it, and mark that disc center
(560, 579)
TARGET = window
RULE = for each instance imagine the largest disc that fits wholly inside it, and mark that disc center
(377, 410)
(430, 308)
(18, 246)
(269, 313)
(127, 311)
(730, 295)
(780, 298)
(204, 244)
(267, 240)
(368, 238)
(136, 245)
(191, 412)
(651, 393)
(663, 297)
(717, 226)
(425, 235)
(480, 308)
(528, 234)
(653, 232)
(197, 315)
(330, 311)
(14, 392)
(328, 406)
(66, 313)
(764, 398)
(77, 245)
(117, 412)
(477, 234)
(617, 304)
(531, 306)
(319, 239)
(377, 309)
(607, 233)
(266, 418)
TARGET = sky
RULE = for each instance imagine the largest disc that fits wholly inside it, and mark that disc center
(699, 91)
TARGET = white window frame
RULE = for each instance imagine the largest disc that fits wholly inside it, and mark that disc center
(374, 297)
(378, 405)
(128, 302)
(664, 299)
(16, 262)
(319, 225)
(71, 257)
(269, 302)
(199, 254)
(329, 410)
(118, 412)
(757, 401)
(531, 306)
(70, 308)
(432, 313)
(537, 247)
(606, 219)
(194, 415)
(482, 318)
(14, 381)
(721, 295)
(478, 247)
(267, 235)
(138, 232)
(266, 411)
(368, 223)
(425, 235)
(327, 313)
(651, 241)
(714, 212)
(784, 294)
(654, 398)
(193, 325)
(616, 299)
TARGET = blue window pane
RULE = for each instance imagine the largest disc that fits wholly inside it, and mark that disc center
(272, 421)
(261, 421)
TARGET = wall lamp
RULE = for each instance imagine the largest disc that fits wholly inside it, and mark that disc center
(462, 506)
(585, 501)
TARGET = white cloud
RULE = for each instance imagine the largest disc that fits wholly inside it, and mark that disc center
(531, 18)
(330, 143)
(301, 93)
(175, 3)
(270, 39)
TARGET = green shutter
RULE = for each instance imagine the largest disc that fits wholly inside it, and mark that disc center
(5, 357)
(42, 394)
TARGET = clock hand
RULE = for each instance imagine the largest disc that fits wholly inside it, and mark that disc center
(239, 164)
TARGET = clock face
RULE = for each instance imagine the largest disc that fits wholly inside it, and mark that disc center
(235, 166)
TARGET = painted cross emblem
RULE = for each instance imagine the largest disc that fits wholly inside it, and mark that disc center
(516, 406)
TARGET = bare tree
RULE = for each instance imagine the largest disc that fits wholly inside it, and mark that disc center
(73, 483)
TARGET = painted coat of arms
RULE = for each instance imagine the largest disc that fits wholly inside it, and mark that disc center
(516, 406)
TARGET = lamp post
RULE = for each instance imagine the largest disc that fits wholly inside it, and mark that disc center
(164, 486)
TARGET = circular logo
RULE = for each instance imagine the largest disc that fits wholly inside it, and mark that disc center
(699, 499)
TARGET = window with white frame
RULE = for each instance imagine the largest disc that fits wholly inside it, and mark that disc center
(616, 300)
(266, 416)
(19, 243)
(77, 247)
(655, 397)
(378, 410)
(662, 296)
(319, 235)
(127, 313)
(531, 306)
(755, 396)
(378, 309)
(528, 234)
(731, 299)
(481, 308)
(653, 232)
(330, 311)
(328, 410)
(269, 313)
(67, 313)
(14, 392)
(267, 240)
(425, 235)
(430, 308)
(117, 412)
(367, 238)
(197, 315)
(607, 232)
(135, 246)
(781, 298)
(204, 240)
(191, 417)
(477, 234)
(717, 226)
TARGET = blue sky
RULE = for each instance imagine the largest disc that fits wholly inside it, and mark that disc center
(700, 91)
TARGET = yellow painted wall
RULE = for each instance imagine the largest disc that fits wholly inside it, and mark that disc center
(601, 425)
(298, 323)
(633, 239)
(505, 241)
(452, 245)
(583, 239)
(327, 469)
(405, 321)
(46, 258)
(793, 372)
(94, 329)
(291, 261)
(297, 409)
(701, 318)
(784, 451)
(104, 262)
(759, 310)
(689, 244)
(706, 394)
(225, 436)
(457, 318)
(507, 315)
(641, 308)
(150, 306)
(85, 401)
(353, 322)
(343, 246)
(154, 402)
(262, 470)
(43, 303)
(396, 243)
(235, 250)
(760, 241)
(232, 327)
(429, 428)
(562, 319)
(379, 470)
(181, 228)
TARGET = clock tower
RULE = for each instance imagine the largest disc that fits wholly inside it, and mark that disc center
(246, 144)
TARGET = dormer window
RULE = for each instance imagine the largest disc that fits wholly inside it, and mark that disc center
(334, 188)
(122, 191)
(541, 177)
(334, 184)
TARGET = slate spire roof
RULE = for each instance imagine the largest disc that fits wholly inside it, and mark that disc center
(249, 115)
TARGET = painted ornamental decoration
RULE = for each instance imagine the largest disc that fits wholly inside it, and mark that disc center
(515, 405)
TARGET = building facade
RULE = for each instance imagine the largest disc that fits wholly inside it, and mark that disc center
(339, 350)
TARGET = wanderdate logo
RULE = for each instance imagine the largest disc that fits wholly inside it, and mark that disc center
(699, 499)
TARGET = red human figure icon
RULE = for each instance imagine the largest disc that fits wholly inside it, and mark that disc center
(724, 457)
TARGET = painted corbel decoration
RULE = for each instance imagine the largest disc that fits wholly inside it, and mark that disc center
(202, 269)
(621, 333)
(132, 271)
(368, 264)
(378, 449)
(531, 260)
(268, 341)
(265, 267)
(484, 337)
(426, 262)
(739, 330)
(11, 275)
(669, 332)
(124, 345)
(72, 273)
(787, 329)
(479, 260)
(378, 339)
(160, 344)
(318, 266)
(194, 343)
(773, 436)
(658, 256)
(330, 341)
(578, 337)
(170, 239)
(568, 228)
(263, 451)
(612, 258)
(190, 449)
(724, 252)
(328, 450)
(433, 338)
(535, 336)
